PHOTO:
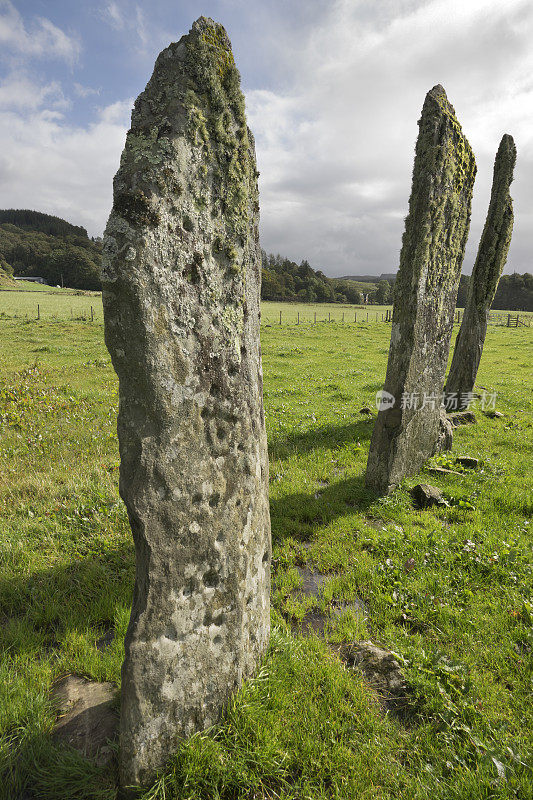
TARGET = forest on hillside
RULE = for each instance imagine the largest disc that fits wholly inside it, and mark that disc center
(33, 244)
(36, 244)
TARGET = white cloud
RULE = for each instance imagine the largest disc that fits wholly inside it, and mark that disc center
(131, 19)
(42, 40)
(85, 91)
(112, 14)
(19, 92)
(336, 148)
(62, 169)
(335, 144)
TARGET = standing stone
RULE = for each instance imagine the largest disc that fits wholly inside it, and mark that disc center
(182, 271)
(407, 430)
(490, 261)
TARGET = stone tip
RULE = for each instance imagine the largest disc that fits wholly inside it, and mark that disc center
(505, 160)
(507, 144)
(438, 92)
(203, 24)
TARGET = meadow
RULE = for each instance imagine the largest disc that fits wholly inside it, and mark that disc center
(447, 589)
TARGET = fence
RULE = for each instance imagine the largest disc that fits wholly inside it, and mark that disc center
(88, 307)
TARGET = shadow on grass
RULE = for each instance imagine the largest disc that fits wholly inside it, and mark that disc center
(298, 515)
(40, 610)
(37, 613)
(327, 437)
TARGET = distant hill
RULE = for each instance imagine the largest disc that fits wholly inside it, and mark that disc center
(33, 244)
(284, 279)
(37, 221)
(375, 279)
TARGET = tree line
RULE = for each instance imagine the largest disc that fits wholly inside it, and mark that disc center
(33, 244)
(40, 245)
(285, 280)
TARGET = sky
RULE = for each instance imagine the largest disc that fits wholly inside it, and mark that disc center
(333, 88)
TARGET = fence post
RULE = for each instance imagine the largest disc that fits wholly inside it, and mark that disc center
(280, 317)
(343, 316)
(367, 316)
(329, 317)
(92, 314)
(508, 320)
(298, 322)
(38, 311)
(315, 317)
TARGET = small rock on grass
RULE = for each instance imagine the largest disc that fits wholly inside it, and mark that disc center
(86, 720)
(468, 462)
(494, 414)
(462, 418)
(365, 410)
(382, 671)
(426, 496)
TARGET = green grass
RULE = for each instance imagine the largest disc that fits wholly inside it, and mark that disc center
(460, 619)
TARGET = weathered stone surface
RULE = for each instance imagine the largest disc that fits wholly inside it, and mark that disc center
(426, 496)
(87, 720)
(445, 432)
(488, 267)
(381, 669)
(436, 229)
(182, 272)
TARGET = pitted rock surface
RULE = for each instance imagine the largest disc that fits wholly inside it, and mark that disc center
(436, 230)
(490, 261)
(181, 272)
(382, 671)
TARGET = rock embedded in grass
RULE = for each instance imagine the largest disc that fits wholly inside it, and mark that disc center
(468, 462)
(462, 418)
(87, 720)
(409, 427)
(426, 496)
(181, 274)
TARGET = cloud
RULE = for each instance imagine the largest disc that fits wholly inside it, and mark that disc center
(129, 19)
(19, 92)
(335, 149)
(53, 166)
(42, 40)
(112, 14)
(335, 131)
(85, 91)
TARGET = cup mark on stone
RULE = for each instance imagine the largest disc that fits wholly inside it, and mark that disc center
(211, 579)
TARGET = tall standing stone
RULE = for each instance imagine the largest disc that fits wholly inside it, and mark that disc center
(182, 271)
(488, 267)
(407, 430)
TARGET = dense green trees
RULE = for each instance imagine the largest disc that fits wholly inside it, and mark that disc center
(36, 244)
(514, 292)
(284, 279)
(54, 250)
(37, 221)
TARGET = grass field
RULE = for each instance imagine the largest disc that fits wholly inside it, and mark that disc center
(65, 304)
(448, 590)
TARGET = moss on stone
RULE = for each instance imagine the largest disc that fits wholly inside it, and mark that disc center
(136, 209)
